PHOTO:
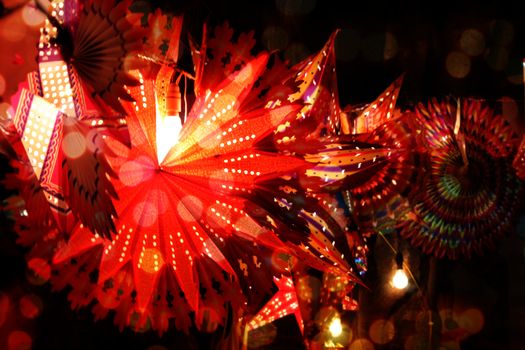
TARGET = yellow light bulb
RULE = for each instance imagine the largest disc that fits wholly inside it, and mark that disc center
(400, 279)
(335, 328)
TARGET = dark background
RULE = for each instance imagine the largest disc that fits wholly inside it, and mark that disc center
(377, 43)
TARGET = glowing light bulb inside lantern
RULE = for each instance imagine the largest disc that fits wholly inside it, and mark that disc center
(335, 328)
(400, 279)
(170, 125)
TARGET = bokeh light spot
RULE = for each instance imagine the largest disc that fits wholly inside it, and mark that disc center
(472, 320)
(74, 144)
(382, 331)
(161, 199)
(145, 214)
(190, 208)
(152, 260)
(134, 172)
(19, 340)
(361, 344)
(472, 42)
(32, 16)
(30, 306)
(415, 342)
(457, 64)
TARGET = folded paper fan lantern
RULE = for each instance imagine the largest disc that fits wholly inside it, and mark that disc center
(96, 38)
(470, 196)
(381, 199)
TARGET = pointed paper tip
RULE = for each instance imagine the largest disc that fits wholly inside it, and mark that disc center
(335, 33)
(331, 40)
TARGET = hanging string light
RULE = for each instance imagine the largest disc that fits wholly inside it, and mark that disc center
(400, 279)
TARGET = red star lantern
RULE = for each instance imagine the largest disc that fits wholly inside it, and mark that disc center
(283, 303)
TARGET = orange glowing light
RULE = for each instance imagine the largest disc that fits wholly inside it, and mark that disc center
(400, 279)
(151, 260)
(382, 331)
(361, 344)
(472, 320)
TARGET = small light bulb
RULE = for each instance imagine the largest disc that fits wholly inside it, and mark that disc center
(400, 279)
(335, 328)
(168, 129)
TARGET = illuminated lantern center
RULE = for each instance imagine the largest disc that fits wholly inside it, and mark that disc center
(400, 279)
(168, 129)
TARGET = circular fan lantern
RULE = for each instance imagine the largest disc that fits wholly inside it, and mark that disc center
(96, 38)
(469, 195)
